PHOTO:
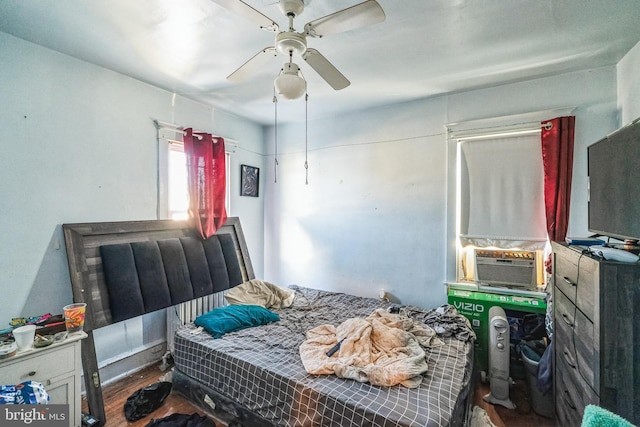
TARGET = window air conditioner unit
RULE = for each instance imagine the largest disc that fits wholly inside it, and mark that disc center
(506, 268)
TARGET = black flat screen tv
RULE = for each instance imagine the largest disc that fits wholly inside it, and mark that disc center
(614, 184)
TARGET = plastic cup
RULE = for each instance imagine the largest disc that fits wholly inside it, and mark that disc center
(74, 316)
(24, 336)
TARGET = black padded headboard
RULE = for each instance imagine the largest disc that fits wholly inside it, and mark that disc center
(143, 277)
(167, 262)
(166, 256)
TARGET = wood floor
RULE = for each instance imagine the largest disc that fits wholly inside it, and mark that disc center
(115, 395)
(522, 416)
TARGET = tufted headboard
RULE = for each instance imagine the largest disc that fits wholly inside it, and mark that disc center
(125, 269)
(156, 264)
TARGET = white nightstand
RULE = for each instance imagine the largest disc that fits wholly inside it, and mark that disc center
(58, 367)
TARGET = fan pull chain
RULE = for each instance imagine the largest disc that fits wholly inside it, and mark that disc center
(306, 137)
(275, 127)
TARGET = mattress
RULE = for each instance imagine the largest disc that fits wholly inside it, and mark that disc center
(259, 369)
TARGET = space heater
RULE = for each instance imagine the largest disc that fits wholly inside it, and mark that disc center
(507, 268)
(499, 353)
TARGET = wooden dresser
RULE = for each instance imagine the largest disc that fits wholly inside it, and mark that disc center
(596, 312)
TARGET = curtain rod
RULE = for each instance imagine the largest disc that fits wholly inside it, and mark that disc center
(505, 134)
(504, 131)
(180, 129)
(504, 124)
(175, 128)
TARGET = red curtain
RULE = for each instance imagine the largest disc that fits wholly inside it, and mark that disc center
(557, 158)
(206, 179)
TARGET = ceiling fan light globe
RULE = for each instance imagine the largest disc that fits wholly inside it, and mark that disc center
(290, 86)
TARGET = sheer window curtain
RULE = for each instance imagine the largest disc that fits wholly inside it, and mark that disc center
(206, 171)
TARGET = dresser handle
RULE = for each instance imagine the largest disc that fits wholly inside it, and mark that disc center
(569, 281)
(567, 399)
(32, 373)
(566, 320)
(566, 358)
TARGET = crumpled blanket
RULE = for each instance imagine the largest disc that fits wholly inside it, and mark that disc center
(258, 292)
(383, 349)
(446, 321)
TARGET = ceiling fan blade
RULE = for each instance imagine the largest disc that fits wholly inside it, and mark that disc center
(253, 65)
(360, 15)
(243, 9)
(325, 69)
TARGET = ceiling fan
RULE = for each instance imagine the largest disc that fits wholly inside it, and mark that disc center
(291, 42)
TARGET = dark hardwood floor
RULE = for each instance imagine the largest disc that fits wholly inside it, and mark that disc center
(522, 416)
(116, 394)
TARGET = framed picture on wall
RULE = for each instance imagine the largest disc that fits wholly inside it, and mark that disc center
(249, 180)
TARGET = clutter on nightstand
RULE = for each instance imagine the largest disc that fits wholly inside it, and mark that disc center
(42, 341)
(52, 363)
(48, 327)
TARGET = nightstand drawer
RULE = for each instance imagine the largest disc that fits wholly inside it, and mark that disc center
(41, 367)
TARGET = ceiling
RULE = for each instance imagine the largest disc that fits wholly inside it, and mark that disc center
(423, 48)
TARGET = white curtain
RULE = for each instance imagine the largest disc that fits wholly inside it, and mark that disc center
(502, 192)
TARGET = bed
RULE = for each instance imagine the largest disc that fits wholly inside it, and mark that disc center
(255, 376)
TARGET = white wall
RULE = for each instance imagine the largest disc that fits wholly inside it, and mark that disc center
(629, 86)
(79, 145)
(374, 214)
(373, 211)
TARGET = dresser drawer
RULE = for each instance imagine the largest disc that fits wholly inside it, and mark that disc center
(571, 397)
(581, 393)
(564, 311)
(565, 276)
(43, 367)
(567, 412)
(574, 340)
(576, 275)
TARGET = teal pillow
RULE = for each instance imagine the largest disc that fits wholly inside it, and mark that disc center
(221, 320)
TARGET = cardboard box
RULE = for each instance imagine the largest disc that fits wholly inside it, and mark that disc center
(475, 305)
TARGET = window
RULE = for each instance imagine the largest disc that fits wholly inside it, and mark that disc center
(499, 191)
(500, 198)
(178, 195)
